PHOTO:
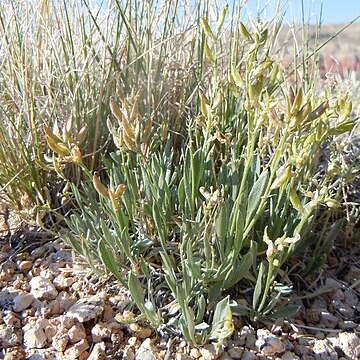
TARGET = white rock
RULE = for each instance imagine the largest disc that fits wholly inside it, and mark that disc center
(76, 333)
(349, 343)
(86, 309)
(22, 302)
(76, 350)
(34, 337)
(98, 352)
(268, 344)
(9, 336)
(60, 341)
(63, 282)
(6, 298)
(147, 351)
(42, 288)
(12, 319)
(15, 353)
(210, 352)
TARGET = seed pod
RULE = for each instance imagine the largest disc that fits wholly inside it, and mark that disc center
(236, 77)
(76, 155)
(282, 178)
(245, 34)
(58, 148)
(208, 53)
(115, 109)
(203, 104)
(333, 204)
(207, 28)
(82, 134)
(120, 190)
(295, 201)
(221, 18)
(273, 73)
(318, 111)
(113, 199)
(297, 102)
(127, 128)
(100, 187)
(146, 131)
(129, 142)
(51, 135)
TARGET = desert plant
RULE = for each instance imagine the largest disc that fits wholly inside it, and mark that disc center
(184, 212)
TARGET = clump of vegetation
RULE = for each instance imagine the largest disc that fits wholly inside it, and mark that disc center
(213, 179)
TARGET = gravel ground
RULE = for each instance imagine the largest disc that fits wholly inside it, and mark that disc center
(51, 307)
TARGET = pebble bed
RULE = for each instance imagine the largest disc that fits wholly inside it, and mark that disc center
(52, 308)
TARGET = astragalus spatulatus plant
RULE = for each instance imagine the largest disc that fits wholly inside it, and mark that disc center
(217, 196)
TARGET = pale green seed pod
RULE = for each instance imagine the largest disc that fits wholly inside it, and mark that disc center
(208, 53)
(245, 33)
(207, 29)
(282, 178)
(297, 102)
(221, 18)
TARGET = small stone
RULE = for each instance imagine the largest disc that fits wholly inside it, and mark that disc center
(66, 301)
(236, 352)
(86, 309)
(7, 298)
(345, 310)
(301, 350)
(320, 335)
(350, 298)
(210, 352)
(9, 336)
(66, 321)
(12, 319)
(195, 353)
(312, 316)
(328, 320)
(268, 344)
(337, 294)
(250, 340)
(76, 350)
(34, 337)
(108, 314)
(38, 252)
(42, 288)
(25, 265)
(128, 354)
(60, 341)
(353, 275)
(324, 350)
(102, 331)
(132, 341)
(15, 353)
(98, 352)
(63, 282)
(289, 356)
(76, 333)
(147, 351)
(225, 356)
(248, 355)
(84, 355)
(347, 325)
(349, 343)
(143, 333)
(50, 332)
(22, 302)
